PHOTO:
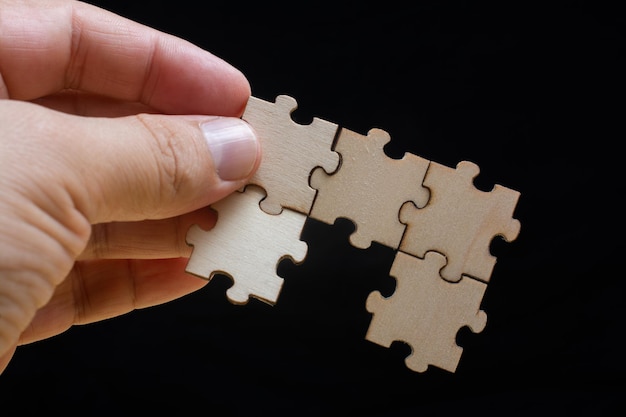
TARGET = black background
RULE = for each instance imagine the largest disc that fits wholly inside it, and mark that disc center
(531, 92)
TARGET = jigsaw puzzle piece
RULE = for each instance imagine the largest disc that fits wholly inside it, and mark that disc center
(369, 188)
(460, 221)
(247, 244)
(426, 312)
(290, 152)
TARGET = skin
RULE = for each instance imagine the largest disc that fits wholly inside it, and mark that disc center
(103, 166)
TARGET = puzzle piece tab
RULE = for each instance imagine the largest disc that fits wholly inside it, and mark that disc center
(290, 152)
(426, 312)
(460, 221)
(369, 188)
(247, 244)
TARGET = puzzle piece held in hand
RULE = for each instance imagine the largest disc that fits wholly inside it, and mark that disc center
(369, 188)
(247, 244)
(460, 221)
(290, 152)
(426, 312)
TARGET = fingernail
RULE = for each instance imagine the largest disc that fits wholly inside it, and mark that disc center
(233, 145)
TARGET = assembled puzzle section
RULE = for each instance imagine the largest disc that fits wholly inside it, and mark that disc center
(261, 225)
(439, 224)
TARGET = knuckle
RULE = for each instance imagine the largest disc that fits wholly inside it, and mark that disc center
(168, 153)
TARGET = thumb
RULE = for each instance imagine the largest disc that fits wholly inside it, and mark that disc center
(61, 173)
(154, 166)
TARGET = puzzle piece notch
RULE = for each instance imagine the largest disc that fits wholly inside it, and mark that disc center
(290, 152)
(247, 245)
(460, 221)
(426, 312)
(369, 188)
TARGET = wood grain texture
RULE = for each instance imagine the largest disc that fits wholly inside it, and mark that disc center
(426, 312)
(290, 152)
(460, 221)
(247, 244)
(369, 188)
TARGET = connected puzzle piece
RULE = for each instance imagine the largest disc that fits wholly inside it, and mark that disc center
(426, 312)
(290, 152)
(247, 244)
(369, 188)
(460, 221)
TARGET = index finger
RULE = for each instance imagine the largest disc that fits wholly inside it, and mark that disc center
(50, 46)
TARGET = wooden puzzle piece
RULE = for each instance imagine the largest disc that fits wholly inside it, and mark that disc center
(247, 244)
(369, 188)
(460, 221)
(290, 152)
(426, 312)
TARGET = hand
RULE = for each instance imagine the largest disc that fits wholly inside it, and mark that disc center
(114, 138)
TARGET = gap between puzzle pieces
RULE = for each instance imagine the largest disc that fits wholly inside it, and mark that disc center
(415, 206)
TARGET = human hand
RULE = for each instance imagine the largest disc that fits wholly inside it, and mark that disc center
(104, 163)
